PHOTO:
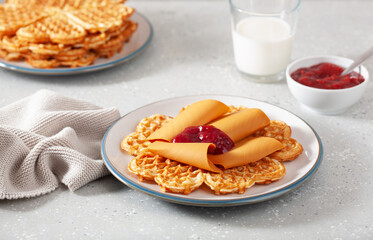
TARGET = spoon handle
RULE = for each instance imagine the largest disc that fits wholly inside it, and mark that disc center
(358, 61)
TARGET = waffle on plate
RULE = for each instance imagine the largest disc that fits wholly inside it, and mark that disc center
(176, 177)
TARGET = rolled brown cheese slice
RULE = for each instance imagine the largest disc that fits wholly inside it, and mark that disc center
(247, 151)
(198, 113)
(243, 123)
(194, 154)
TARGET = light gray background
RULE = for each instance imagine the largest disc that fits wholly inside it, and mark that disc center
(191, 53)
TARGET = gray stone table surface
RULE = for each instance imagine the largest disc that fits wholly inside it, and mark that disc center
(191, 53)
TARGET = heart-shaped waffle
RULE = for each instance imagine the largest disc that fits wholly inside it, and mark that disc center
(13, 17)
(179, 178)
(57, 29)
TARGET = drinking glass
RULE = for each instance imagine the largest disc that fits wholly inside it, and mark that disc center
(263, 33)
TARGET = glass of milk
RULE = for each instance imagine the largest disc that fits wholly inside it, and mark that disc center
(263, 33)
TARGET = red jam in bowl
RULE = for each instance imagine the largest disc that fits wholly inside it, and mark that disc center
(206, 134)
(326, 76)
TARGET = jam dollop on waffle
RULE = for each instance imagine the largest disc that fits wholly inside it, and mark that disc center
(206, 134)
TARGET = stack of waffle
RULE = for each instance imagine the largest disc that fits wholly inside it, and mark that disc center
(63, 33)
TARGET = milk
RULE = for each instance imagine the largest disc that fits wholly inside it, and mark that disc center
(262, 45)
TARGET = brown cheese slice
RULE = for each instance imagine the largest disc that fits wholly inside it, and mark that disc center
(194, 154)
(198, 113)
(247, 151)
(243, 123)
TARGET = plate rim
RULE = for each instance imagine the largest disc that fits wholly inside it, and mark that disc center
(212, 203)
(91, 68)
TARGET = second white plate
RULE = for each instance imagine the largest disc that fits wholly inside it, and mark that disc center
(297, 171)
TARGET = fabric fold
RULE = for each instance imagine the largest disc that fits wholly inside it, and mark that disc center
(48, 138)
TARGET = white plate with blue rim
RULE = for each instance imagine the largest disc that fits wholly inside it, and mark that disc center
(297, 171)
(137, 44)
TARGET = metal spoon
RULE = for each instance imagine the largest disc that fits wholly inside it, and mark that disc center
(358, 61)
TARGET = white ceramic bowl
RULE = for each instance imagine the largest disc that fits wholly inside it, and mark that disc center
(326, 101)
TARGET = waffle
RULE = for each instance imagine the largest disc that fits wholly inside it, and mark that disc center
(237, 179)
(43, 63)
(150, 124)
(267, 170)
(108, 53)
(179, 178)
(93, 41)
(71, 55)
(33, 3)
(115, 44)
(111, 47)
(170, 175)
(78, 4)
(82, 61)
(12, 17)
(290, 152)
(10, 56)
(101, 19)
(135, 143)
(65, 3)
(282, 132)
(232, 180)
(276, 129)
(233, 109)
(12, 44)
(48, 49)
(56, 29)
(63, 33)
(36, 56)
(116, 31)
(147, 165)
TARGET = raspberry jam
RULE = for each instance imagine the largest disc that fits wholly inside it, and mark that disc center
(326, 76)
(206, 134)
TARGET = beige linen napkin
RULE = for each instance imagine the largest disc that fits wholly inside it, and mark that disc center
(48, 138)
